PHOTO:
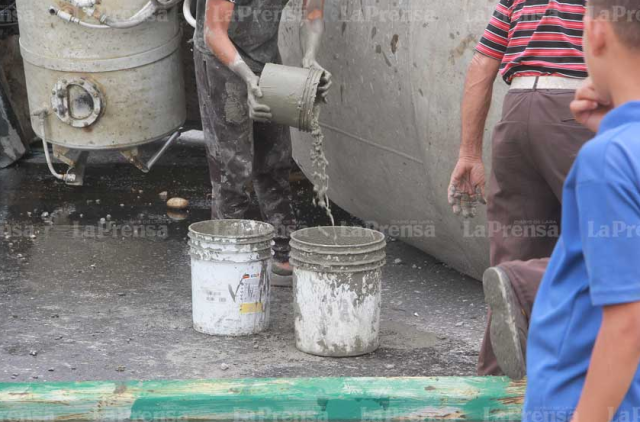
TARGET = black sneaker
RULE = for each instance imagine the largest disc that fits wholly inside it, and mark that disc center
(508, 323)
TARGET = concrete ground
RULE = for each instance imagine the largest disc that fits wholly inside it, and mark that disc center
(82, 299)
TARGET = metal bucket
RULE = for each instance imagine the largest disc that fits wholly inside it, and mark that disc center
(337, 285)
(291, 93)
(230, 276)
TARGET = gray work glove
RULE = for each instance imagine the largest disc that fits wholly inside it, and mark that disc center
(325, 82)
(257, 111)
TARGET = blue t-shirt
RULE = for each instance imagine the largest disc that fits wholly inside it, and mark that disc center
(596, 263)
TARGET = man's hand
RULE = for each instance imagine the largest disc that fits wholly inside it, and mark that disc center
(589, 107)
(466, 189)
(257, 111)
(325, 82)
(467, 186)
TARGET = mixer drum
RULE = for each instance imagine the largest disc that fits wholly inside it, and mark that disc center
(392, 125)
(103, 88)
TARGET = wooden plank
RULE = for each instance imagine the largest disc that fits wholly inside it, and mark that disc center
(310, 399)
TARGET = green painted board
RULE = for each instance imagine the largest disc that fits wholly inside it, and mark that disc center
(267, 400)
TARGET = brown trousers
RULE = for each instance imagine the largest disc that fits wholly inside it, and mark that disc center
(534, 147)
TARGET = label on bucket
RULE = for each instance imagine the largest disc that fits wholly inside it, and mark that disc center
(251, 294)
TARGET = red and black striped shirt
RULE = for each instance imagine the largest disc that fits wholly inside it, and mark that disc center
(537, 38)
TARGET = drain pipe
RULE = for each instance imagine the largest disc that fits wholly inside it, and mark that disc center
(186, 11)
(67, 178)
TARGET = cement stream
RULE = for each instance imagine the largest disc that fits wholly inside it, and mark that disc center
(320, 164)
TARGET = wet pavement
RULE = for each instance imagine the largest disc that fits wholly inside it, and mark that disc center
(95, 285)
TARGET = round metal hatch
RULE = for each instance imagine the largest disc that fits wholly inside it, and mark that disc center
(77, 102)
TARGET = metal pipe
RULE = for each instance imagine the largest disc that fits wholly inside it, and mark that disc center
(93, 25)
(107, 22)
(82, 3)
(145, 13)
(67, 17)
(186, 11)
(160, 153)
(70, 178)
(165, 5)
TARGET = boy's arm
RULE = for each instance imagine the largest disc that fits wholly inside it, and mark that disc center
(311, 32)
(216, 35)
(589, 108)
(614, 363)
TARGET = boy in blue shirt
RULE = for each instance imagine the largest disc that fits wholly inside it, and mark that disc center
(584, 340)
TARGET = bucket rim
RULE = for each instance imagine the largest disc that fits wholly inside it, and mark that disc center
(270, 230)
(310, 96)
(295, 237)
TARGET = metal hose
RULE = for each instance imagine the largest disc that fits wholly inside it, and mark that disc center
(186, 11)
(107, 22)
(67, 17)
(164, 5)
(145, 13)
(70, 178)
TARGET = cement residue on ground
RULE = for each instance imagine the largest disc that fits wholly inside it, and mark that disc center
(115, 308)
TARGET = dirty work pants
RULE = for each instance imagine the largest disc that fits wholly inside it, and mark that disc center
(534, 147)
(240, 151)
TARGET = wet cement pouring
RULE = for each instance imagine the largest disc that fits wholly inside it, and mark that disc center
(320, 163)
(95, 284)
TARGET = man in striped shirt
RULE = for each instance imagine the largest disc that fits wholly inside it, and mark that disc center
(536, 45)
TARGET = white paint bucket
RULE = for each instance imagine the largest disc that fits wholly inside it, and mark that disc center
(337, 284)
(230, 276)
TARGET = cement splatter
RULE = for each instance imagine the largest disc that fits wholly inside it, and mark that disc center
(320, 164)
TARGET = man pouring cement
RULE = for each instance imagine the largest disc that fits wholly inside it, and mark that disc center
(234, 40)
(537, 47)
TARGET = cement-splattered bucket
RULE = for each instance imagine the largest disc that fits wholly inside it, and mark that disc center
(230, 276)
(291, 93)
(337, 285)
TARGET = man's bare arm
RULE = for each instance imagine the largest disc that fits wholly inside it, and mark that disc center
(311, 32)
(216, 33)
(468, 179)
(476, 103)
(614, 363)
(216, 30)
(312, 27)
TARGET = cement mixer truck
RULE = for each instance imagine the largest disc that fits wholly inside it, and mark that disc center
(109, 75)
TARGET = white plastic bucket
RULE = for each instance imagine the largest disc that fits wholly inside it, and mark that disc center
(230, 276)
(337, 290)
